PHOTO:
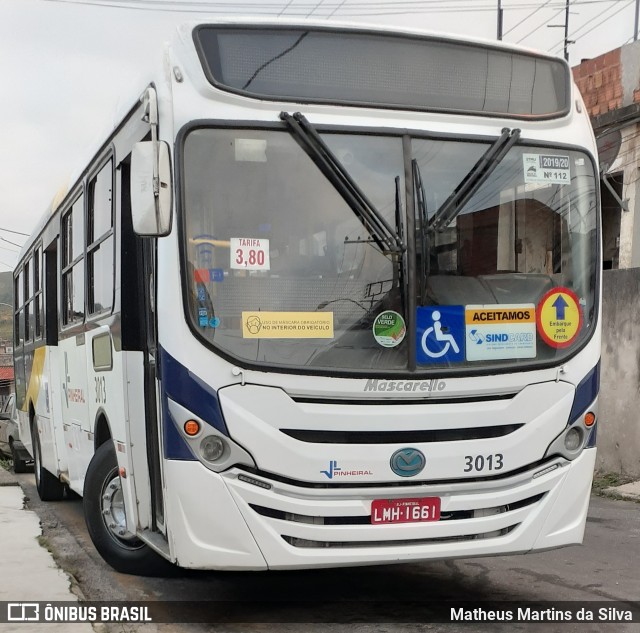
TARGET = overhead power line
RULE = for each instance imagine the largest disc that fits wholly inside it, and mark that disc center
(530, 15)
(16, 232)
(593, 28)
(304, 9)
(4, 239)
(555, 15)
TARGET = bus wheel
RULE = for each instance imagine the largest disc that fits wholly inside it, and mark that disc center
(49, 488)
(104, 513)
(19, 464)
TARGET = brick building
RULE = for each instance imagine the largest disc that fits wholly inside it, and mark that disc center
(610, 87)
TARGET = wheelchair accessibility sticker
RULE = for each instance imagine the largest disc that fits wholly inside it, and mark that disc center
(441, 334)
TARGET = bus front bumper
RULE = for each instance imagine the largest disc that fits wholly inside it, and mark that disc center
(243, 521)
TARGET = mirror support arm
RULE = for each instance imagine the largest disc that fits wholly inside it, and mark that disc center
(150, 109)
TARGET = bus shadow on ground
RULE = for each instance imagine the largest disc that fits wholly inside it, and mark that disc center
(403, 593)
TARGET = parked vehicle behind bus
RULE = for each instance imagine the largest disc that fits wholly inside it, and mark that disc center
(10, 444)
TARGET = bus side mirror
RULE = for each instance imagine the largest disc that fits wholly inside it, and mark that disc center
(150, 193)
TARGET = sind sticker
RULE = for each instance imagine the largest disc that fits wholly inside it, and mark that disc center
(287, 325)
(500, 332)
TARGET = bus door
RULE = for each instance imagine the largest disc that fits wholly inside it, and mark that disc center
(73, 344)
(139, 339)
(54, 390)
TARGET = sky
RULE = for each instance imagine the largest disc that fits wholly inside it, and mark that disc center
(65, 64)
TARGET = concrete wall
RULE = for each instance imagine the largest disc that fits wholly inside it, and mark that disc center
(619, 414)
(626, 164)
(610, 84)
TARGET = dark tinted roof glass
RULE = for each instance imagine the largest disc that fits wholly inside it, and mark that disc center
(382, 70)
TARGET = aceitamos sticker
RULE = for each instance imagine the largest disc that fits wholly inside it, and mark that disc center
(500, 332)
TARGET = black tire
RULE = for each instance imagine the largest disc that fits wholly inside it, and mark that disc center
(122, 550)
(19, 464)
(49, 488)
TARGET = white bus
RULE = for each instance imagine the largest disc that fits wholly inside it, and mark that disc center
(325, 296)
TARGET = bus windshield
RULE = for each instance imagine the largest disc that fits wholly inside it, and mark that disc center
(281, 273)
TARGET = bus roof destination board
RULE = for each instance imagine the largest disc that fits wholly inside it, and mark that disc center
(559, 317)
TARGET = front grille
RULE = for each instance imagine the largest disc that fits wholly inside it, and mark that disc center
(404, 400)
(306, 543)
(366, 519)
(401, 437)
(268, 476)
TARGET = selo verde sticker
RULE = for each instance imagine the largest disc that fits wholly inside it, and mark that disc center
(389, 328)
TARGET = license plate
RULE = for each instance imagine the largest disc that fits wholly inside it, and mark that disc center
(405, 510)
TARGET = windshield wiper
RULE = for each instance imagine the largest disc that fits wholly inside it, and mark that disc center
(474, 179)
(386, 238)
(421, 201)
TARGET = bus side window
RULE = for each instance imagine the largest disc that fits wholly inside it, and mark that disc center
(51, 293)
(73, 264)
(27, 296)
(19, 314)
(100, 262)
(37, 292)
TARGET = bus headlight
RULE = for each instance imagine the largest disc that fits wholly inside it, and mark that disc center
(576, 436)
(573, 439)
(212, 448)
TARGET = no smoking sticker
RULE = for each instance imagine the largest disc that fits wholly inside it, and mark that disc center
(559, 317)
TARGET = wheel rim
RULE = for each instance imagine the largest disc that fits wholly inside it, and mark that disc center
(113, 513)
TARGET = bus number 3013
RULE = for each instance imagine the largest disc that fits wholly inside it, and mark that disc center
(478, 463)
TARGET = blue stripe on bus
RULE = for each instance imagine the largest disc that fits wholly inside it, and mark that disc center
(175, 446)
(586, 393)
(189, 391)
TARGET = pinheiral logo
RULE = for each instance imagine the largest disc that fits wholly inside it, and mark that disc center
(407, 462)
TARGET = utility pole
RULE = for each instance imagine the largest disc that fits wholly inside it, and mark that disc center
(567, 41)
(566, 31)
(500, 15)
(635, 29)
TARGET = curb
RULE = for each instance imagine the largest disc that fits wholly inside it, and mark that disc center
(627, 492)
(7, 479)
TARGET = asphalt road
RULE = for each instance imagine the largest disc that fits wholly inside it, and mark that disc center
(604, 568)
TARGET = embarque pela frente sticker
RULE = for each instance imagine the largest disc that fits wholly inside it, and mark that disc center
(559, 317)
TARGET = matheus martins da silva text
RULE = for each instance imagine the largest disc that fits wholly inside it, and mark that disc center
(549, 614)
